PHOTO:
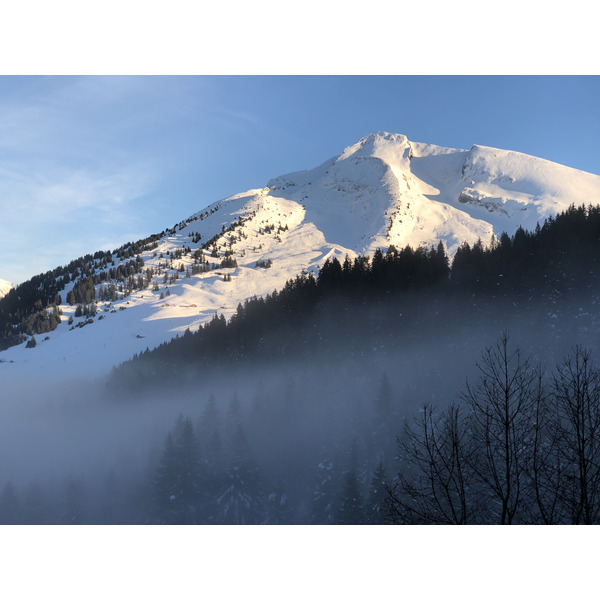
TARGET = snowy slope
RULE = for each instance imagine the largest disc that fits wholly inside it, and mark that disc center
(382, 190)
(5, 287)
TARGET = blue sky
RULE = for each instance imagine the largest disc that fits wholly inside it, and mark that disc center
(88, 163)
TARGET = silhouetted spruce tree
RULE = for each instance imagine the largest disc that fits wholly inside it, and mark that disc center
(215, 465)
(177, 488)
(347, 271)
(330, 275)
(351, 509)
(439, 263)
(241, 501)
(376, 505)
(324, 491)
(378, 270)
(209, 421)
(213, 456)
(233, 416)
(384, 434)
(278, 506)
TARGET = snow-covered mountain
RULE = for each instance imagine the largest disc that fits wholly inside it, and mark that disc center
(382, 190)
(5, 287)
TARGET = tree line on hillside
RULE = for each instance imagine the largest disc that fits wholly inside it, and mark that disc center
(539, 270)
(233, 463)
(30, 308)
(27, 308)
(276, 324)
(558, 256)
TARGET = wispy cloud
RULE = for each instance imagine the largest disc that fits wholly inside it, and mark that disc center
(85, 158)
(61, 190)
(67, 176)
(237, 115)
(44, 209)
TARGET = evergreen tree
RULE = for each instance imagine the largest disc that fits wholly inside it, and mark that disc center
(213, 456)
(240, 502)
(377, 501)
(177, 488)
(214, 461)
(323, 494)
(278, 509)
(233, 416)
(384, 437)
(351, 510)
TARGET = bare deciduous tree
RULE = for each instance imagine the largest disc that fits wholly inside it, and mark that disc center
(546, 470)
(576, 393)
(435, 485)
(502, 410)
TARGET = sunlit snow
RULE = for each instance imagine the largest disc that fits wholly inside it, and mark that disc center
(382, 190)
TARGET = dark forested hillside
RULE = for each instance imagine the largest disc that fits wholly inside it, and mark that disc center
(384, 301)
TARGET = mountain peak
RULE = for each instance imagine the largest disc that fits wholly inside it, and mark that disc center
(390, 147)
(383, 190)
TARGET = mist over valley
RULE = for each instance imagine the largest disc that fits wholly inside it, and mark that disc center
(291, 356)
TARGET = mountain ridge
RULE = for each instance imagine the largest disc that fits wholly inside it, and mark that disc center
(383, 190)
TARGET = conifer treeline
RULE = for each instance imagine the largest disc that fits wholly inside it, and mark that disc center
(232, 461)
(273, 325)
(35, 301)
(520, 446)
(31, 306)
(535, 269)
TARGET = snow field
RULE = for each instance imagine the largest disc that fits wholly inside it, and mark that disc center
(382, 190)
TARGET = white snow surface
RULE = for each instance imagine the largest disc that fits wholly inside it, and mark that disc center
(5, 287)
(382, 190)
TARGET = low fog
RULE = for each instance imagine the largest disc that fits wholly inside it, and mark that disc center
(273, 441)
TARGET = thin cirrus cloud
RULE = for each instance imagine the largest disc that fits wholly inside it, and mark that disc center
(43, 209)
(69, 176)
(83, 154)
(58, 192)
